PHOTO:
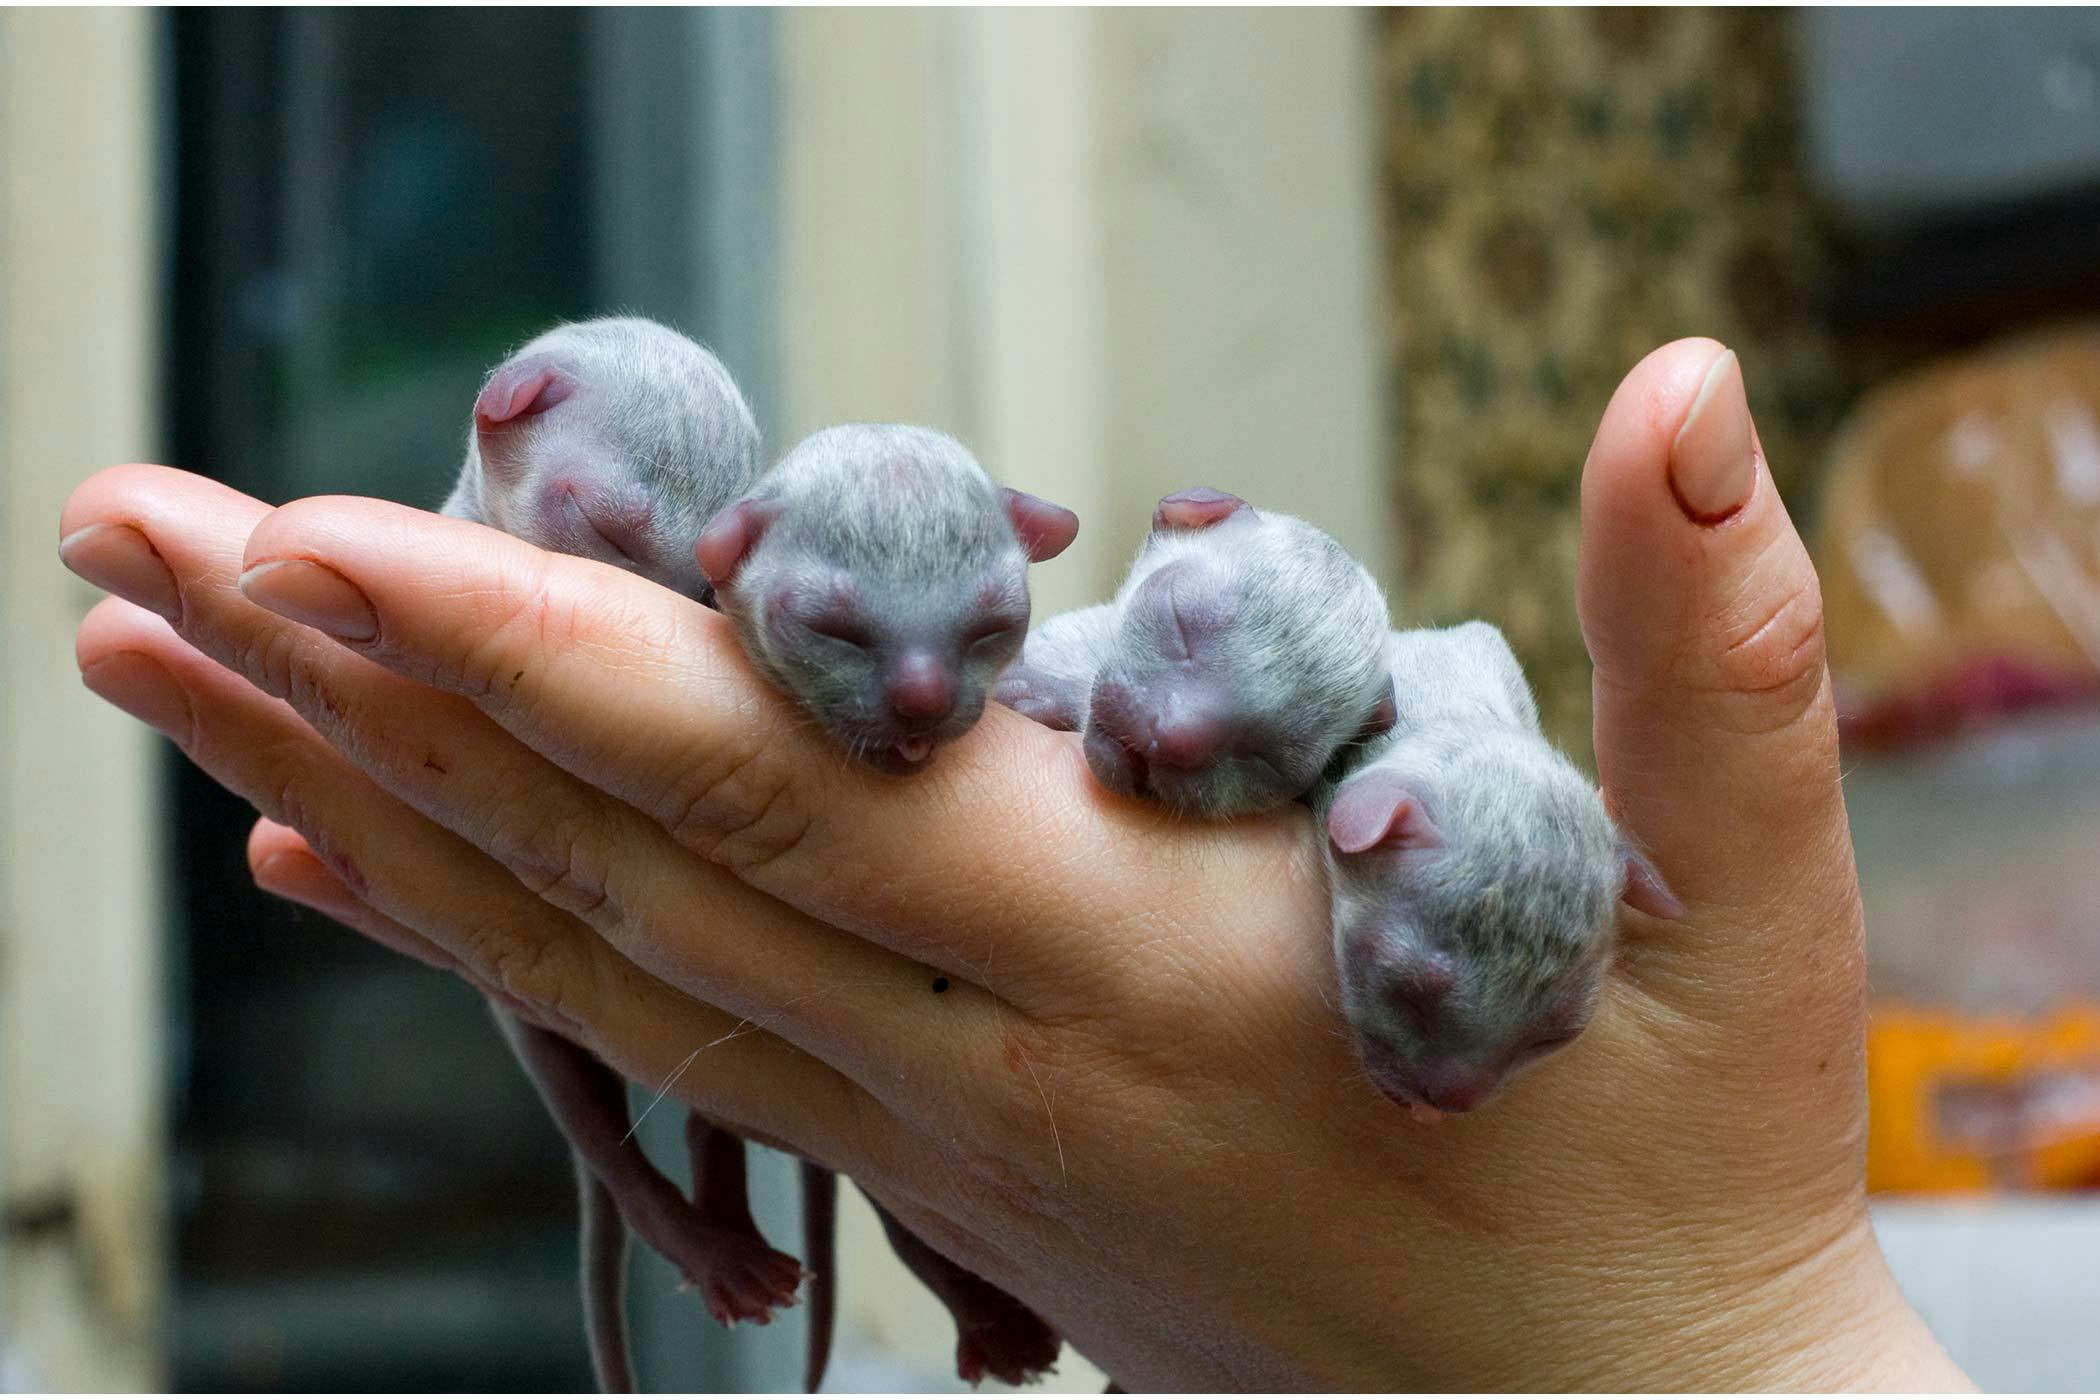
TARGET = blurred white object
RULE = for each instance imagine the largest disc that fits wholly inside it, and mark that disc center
(2007, 1285)
(1914, 114)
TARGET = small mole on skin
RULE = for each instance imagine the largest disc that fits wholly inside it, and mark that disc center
(518, 677)
(940, 984)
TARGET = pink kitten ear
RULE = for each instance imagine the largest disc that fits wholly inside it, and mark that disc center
(1384, 715)
(1044, 529)
(1376, 809)
(729, 537)
(520, 389)
(1644, 889)
(1197, 508)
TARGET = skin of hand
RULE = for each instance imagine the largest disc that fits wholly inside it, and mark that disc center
(1134, 1106)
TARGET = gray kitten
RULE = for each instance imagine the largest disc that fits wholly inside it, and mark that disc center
(1241, 652)
(615, 439)
(879, 576)
(1474, 874)
(621, 440)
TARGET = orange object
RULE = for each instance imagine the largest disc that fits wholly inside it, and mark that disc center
(1967, 1104)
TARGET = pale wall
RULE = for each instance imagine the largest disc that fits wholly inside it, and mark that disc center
(80, 935)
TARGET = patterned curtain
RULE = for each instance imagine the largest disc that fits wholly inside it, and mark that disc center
(1564, 190)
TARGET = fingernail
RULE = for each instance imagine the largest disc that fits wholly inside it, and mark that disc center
(142, 688)
(1713, 463)
(122, 560)
(313, 594)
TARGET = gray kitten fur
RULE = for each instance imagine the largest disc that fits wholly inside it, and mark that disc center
(1258, 629)
(648, 439)
(875, 547)
(1473, 936)
(1053, 682)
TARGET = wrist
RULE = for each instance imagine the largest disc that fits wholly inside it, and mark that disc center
(1833, 1320)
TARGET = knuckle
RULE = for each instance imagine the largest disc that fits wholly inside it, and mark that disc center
(521, 967)
(744, 812)
(306, 680)
(532, 618)
(564, 861)
(291, 808)
(1770, 660)
(506, 630)
(264, 655)
(1779, 644)
(292, 667)
(521, 626)
(529, 967)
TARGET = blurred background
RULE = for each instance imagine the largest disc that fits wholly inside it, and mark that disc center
(1379, 269)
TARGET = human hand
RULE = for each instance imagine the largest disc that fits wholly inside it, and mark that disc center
(1134, 1107)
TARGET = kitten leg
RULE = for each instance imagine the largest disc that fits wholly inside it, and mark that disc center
(604, 1264)
(820, 1205)
(996, 1334)
(740, 1279)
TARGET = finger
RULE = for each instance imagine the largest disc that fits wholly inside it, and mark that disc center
(578, 660)
(284, 865)
(537, 960)
(582, 850)
(1716, 737)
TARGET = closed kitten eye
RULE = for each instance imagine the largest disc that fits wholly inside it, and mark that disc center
(995, 631)
(841, 629)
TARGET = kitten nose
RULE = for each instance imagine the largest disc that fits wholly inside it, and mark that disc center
(1457, 1091)
(920, 690)
(1138, 732)
(1187, 738)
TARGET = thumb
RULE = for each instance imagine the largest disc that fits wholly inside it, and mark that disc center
(1715, 733)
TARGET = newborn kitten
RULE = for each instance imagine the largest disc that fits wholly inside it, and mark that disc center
(879, 577)
(1240, 653)
(1474, 874)
(617, 439)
